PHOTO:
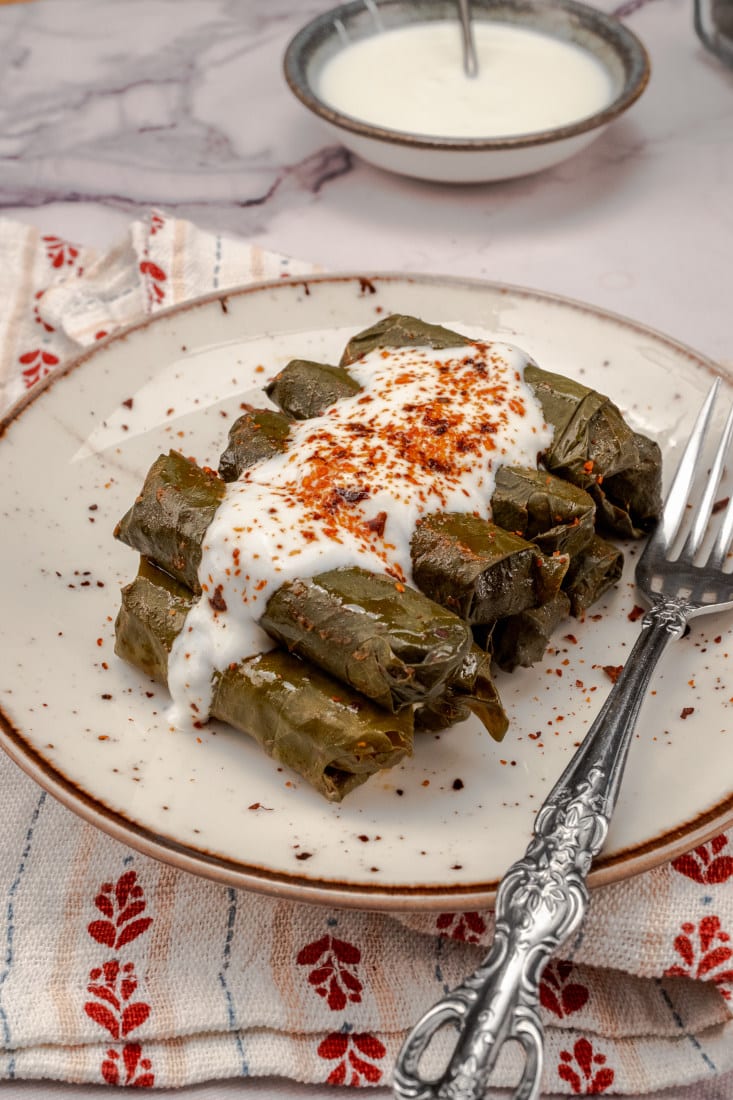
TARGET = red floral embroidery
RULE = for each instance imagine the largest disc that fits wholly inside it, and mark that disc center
(704, 949)
(584, 1070)
(557, 994)
(156, 224)
(36, 313)
(60, 253)
(154, 278)
(130, 1063)
(705, 864)
(332, 975)
(121, 905)
(466, 927)
(36, 365)
(113, 984)
(356, 1054)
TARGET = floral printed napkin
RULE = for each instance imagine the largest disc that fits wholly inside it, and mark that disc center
(116, 968)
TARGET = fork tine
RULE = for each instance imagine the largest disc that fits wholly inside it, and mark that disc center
(674, 506)
(722, 544)
(704, 510)
(721, 549)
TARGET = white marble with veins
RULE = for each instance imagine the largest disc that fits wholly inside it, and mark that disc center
(109, 107)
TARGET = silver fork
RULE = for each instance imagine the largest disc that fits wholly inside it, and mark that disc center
(543, 897)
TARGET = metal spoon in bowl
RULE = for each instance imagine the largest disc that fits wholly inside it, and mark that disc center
(470, 61)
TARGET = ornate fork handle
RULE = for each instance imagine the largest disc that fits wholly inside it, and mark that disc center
(543, 897)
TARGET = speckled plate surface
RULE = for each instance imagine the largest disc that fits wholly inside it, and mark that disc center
(437, 832)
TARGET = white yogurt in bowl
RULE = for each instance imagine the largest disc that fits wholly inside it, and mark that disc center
(411, 79)
(387, 78)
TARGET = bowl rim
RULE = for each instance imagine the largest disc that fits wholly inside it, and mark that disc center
(627, 45)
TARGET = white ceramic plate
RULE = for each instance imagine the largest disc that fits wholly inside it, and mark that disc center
(92, 730)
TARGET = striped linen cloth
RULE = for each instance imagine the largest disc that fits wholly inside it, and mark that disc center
(116, 968)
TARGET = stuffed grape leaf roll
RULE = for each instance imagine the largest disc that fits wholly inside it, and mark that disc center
(630, 502)
(478, 569)
(330, 735)
(169, 518)
(595, 448)
(523, 639)
(304, 388)
(384, 639)
(592, 572)
(471, 690)
(554, 514)
(398, 331)
(256, 435)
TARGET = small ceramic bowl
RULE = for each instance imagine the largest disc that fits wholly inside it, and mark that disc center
(467, 159)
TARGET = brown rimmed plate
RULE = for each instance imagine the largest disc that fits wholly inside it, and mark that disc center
(435, 833)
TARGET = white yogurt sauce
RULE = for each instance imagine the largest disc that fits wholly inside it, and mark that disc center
(425, 434)
(411, 79)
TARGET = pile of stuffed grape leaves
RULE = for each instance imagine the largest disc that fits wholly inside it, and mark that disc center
(404, 521)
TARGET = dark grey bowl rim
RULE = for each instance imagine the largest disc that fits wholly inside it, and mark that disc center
(628, 47)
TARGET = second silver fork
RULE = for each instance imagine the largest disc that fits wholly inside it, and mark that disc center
(543, 897)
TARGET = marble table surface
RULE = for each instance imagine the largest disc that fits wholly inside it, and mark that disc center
(107, 108)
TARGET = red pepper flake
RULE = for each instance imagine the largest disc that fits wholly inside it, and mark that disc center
(100, 641)
(377, 524)
(686, 712)
(612, 671)
(259, 806)
(720, 505)
(127, 402)
(217, 601)
(304, 855)
(588, 466)
(352, 495)
(457, 784)
(635, 613)
(570, 638)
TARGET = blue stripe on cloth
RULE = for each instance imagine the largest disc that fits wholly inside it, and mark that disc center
(217, 263)
(226, 959)
(10, 927)
(681, 1025)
